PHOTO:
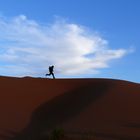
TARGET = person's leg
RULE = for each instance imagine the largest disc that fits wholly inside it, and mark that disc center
(53, 75)
(48, 74)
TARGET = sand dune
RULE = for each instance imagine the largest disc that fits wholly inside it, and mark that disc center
(30, 107)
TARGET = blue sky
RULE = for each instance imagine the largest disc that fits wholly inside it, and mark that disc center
(82, 38)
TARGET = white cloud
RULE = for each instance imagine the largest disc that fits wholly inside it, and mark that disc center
(28, 48)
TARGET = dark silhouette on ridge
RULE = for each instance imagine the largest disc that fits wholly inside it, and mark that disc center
(51, 71)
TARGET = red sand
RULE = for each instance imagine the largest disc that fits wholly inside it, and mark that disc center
(108, 108)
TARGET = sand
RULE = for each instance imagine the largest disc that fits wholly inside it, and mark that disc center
(105, 109)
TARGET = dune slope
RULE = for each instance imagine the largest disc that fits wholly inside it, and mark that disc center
(32, 107)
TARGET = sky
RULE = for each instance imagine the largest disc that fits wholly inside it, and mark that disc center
(81, 38)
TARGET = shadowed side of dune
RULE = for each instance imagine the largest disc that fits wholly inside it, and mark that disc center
(61, 109)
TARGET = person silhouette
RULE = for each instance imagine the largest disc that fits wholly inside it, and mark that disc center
(51, 71)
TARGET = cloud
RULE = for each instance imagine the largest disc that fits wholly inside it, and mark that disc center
(28, 48)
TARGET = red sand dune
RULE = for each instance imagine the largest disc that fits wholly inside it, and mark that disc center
(30, 107)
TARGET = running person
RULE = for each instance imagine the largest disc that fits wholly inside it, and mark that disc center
(51, 71)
